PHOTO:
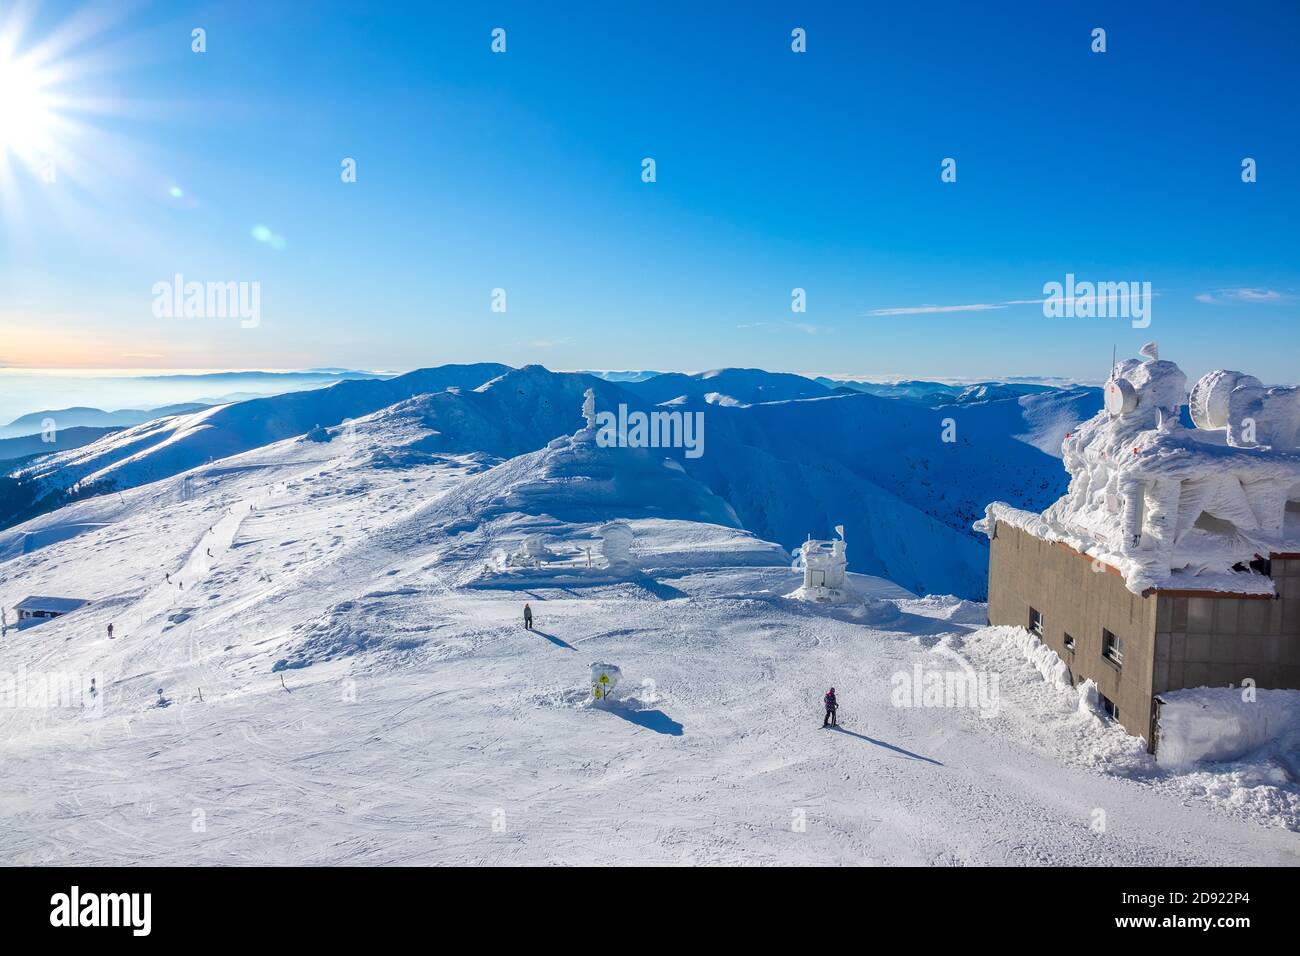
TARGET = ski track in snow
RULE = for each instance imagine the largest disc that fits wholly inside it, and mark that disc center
(419, 723)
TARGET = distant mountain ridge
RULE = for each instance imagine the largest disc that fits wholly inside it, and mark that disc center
(746, 386)
(85, 417)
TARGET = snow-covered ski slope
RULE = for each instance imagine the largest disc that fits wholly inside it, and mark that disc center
(347, 680)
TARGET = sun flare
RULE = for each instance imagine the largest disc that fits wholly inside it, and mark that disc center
(27, 113)
(58, 101)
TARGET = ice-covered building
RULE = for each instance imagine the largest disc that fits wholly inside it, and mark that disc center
(1173, 560)
(825, 563)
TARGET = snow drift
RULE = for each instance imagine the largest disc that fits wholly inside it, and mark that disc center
(1217, 724)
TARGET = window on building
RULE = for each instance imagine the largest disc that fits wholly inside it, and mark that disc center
(1035, 622)
(1108, 705)
(1112, 648)
(1069, 643)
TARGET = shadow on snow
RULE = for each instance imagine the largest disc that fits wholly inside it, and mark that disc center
(655, 720)
(881, 743)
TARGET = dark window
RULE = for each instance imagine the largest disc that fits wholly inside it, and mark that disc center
(1069, 643)
(1112, 648)
(1035, 622)
(1109, 707)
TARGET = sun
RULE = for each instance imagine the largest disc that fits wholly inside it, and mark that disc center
(56, 97)
(27, 109)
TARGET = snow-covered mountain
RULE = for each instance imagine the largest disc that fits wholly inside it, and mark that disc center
(906, 483)
(168, 446)
(317, 653)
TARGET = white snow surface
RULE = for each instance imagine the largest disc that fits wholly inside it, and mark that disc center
(346, 679)
(1221, 724)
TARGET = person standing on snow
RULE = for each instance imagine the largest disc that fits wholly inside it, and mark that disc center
(528, 617)
(110, 632)
(831, 706)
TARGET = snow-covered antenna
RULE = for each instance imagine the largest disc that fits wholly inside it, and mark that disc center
(1113, 356)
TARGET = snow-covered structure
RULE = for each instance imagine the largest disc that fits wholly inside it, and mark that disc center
(1185, 531)
(532, 553)
(616, 539)
(604, 678)
(1170, 506)
(33, 610)
(824, 563)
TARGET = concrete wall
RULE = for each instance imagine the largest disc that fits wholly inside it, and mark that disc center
(1216, 641)
(1075, 599)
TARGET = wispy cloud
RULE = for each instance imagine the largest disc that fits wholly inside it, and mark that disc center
(1244, 296)
(1119, 297)
(805, 327)
(941, 309)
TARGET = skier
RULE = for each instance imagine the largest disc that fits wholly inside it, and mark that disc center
(167, 576)
(831, 706)
(528, 617)
(110, 632)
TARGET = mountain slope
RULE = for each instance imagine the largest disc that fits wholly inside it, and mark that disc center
(168, 446)
(62, 440)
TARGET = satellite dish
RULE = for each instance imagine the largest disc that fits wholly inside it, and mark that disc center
(1151, 350)
(1121, 397)
(839, 529)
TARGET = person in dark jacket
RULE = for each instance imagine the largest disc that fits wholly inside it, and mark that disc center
(831, 706)
(528, 617)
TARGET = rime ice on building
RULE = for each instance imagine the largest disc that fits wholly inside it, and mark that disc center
(824, 563)
(1190, 539)
(825, 570)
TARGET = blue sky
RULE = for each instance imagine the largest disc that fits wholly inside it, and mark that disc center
(775, 170)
